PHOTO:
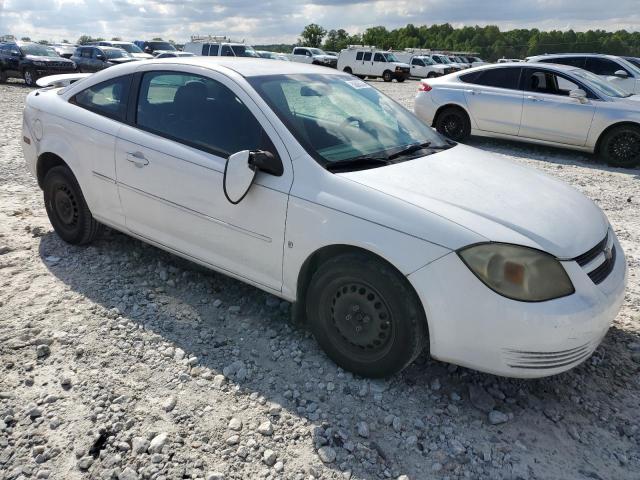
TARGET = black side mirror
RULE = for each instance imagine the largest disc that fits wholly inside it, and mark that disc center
(266, 162)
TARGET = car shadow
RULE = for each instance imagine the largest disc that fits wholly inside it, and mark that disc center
(415, 417)
(553, 155)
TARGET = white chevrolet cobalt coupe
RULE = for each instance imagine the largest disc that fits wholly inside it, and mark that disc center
(315, 187)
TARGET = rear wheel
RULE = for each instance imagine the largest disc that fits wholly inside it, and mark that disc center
(66, 207)
(347, 70)
(365, 315)
(387, 76)
(620, 146)
(30, 77)
(453, 123)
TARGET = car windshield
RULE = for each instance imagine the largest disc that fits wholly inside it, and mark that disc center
(633, 61)
(38, 50)
(600, 85)
(129, 47)
(427, 60)
(441, 59)
(244, 51)
(390, 57)
(338, 118)
(116, 53)
(161, 46)
(317, 51)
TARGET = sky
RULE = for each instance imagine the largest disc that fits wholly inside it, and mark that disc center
(281, 21)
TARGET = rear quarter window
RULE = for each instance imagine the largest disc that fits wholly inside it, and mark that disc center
(508, 78)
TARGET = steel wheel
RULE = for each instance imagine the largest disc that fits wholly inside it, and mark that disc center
(362, 322)
(29, 77)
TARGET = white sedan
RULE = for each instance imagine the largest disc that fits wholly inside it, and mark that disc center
(541, 103)
(313, 186)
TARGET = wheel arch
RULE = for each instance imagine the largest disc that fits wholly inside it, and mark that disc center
(450, 105)
(47, 161)
(325, 253)
(604, 132)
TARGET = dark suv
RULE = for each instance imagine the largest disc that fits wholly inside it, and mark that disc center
(91, 59)
(155, 47)
(31, 61)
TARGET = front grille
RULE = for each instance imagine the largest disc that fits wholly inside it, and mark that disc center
(529, 360)
(605, 249)
(599, 274)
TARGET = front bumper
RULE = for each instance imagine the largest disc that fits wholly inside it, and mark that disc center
(404, 74)
(472, 326)
(45, 71)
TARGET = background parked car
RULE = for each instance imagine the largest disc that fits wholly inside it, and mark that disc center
(509, 60)
(367, 61)
(623, 74)
(444, 60)
(422, 66)
(175, 54)
(64, 49)
(474, 61)
(31, 61)
(92, 59)
(315, 56)
(633, 60)
(535, 102)
(134, 50)
(272, 55)
(154, 47)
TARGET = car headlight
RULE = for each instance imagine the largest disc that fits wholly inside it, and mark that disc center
(518, 273)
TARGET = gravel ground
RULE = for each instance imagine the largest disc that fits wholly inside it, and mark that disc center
(121, 361)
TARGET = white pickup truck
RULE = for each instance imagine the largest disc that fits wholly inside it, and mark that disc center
(314, 56)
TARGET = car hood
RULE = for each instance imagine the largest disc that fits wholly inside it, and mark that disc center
(142, 55)
(495, 198)
(122, 60)
(38, 58)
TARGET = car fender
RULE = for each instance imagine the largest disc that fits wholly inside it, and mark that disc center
(607, 117)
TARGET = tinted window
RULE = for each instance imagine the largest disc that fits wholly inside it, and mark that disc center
(495, 77)
(107, 98)
(571, 61)
(417, 61)
(359, 56)
(635, 61)
(86, 52)
(603, 66)
(226, 51)
(199, 112)
(367, 56)
(213, 51)
(541, 81)
(378, 57)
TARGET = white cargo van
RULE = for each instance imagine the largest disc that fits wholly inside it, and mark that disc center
(367, 61)
(217, 46)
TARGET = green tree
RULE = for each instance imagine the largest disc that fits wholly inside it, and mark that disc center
(116, 39)
(312, 35)
(26, 39)
(84, 39)
(157, 39)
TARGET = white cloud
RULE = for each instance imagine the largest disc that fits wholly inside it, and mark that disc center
(282, 20)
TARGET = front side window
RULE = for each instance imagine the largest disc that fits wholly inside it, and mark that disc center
(197, 111)
(337, 117)
(107, 98)
(603, 66)
(418, 62)
(599, 85)
(226, 51)
(495, 77)
(378, 58)
(367, 57)
(542, 81)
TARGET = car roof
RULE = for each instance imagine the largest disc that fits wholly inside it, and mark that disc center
(577, 54)
(249, 67)
(552, 66)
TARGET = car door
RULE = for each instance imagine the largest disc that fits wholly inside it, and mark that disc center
(13, 56)
(549, 113)
(607, 68)
(98, 60)
(494, 99)
(170, 165)
(378, 65)
(364, 67)
(418, 68)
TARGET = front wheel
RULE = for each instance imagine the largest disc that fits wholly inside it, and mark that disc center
(66, 207)
(30, 77)
(386, 76)
(400, 79)
(365, 315)
(620, 147)
(453, 123)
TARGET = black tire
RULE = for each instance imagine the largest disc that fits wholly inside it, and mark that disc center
(30, 77)
(431, 75)
(620, 146)
(453, 123)
(361, 77)
(347, 70)
(365, 315)
(400, 79)
(387, 76)
(67, 210)
(3, 76)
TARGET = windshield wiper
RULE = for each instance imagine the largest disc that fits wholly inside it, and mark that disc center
(409, 149)
(357, 163)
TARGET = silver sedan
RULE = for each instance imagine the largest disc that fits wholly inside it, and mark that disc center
(543, 103)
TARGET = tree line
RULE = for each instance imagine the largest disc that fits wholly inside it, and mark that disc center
(488, 42)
